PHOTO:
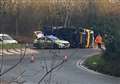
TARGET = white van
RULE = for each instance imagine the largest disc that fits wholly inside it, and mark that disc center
(7, 39)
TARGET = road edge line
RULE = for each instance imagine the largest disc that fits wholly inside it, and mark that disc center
(80, 65)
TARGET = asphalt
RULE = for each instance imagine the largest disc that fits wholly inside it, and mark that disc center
(68, 73)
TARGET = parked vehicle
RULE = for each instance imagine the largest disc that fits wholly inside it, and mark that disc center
(7, 39)
(50, 42)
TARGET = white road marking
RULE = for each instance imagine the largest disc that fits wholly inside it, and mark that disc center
(17, 51)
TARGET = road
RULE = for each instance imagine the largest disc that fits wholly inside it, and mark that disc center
(68, 73)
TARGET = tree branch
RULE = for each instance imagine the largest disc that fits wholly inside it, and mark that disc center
(50, 71)
(21, 59)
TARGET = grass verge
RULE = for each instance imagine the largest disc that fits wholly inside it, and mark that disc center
(11, 46)
(97, 63)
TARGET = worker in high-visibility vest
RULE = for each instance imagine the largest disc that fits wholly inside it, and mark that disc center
(98, 40)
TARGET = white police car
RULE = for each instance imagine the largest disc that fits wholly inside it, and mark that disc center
(50, 42)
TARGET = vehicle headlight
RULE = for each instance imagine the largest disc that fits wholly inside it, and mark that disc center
(61, 45)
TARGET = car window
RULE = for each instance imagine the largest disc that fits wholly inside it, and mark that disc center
(53, 38)
(48, 39)
(41, 38)
(6, 38)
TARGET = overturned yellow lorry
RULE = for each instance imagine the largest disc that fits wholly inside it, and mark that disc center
(87, 38)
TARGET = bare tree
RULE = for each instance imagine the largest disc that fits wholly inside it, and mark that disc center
(5, 71)
(54, 65)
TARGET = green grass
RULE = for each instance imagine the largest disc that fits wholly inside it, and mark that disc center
(11, 46)
(94, 62)
(97, 63)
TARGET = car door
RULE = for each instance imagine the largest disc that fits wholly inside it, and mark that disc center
(41, 42)
(48, 43)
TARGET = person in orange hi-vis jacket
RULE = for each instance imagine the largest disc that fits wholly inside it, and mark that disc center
(98, 40)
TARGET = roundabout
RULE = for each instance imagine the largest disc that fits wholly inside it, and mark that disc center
(71, 72)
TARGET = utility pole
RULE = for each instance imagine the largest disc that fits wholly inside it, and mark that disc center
(16, 5)
(17, 18)
(2, 14)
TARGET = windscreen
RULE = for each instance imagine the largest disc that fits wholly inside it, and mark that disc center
(52, 37)
(6, 38)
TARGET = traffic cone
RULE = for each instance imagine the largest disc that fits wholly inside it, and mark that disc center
(65, 58)
(32, 59)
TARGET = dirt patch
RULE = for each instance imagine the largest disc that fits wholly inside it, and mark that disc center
(3, 82)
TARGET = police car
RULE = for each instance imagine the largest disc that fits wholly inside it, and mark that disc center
(50, 42)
